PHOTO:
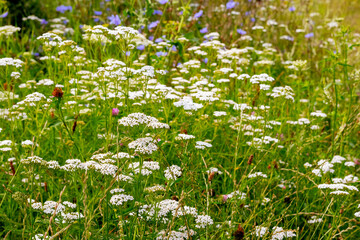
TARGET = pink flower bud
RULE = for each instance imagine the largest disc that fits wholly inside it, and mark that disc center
(115, 111)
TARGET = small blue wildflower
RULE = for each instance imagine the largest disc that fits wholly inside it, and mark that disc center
(292, 9)
(127, 53)
(204, 30)
(309, 35)
(151, 38)
(173, 48)
(153, 24)
(158, 40)
(163, 1)
(97, 13)
(240, 31)
(206, 60)
(115, 20)
(96, 19)
(44, 22)
(231, 4)
(4, 15)
(159, 54)
(63, 8)
(157, 12)
(140, 47)
(198, 14)
(253, 19)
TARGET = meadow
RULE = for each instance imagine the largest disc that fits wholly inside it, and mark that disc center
(179, 119)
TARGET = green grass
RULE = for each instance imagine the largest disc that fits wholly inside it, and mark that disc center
(111, 133)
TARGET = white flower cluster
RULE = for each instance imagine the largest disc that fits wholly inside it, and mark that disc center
(286, 92)
(61, 210)
(159, 211)
(260, 231)
(260, 78)
(173, 172)
(155, 188)
(120, 199)
(27, 143)
(135, 119)
(337, 186)
(257, 174)
(219, 113)
(258, 142)
(323, 167)
(32, 99)
(202, 145)
(279, 233)
(237, 194)
(300, 121)
(103, 34)
(145, 145)
(182, 136)
(121, 155)
(17, 63)
(347, 179)
(188, 104)
(318, 113)
(314, 219)
(181, 234)
(6, 145)
(202, 221)
(357, 214)
(8, 30)
(214, 170)
(33, 160)
(337, 159)
(145, 169)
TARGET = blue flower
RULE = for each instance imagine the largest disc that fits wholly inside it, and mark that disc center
(63, 8)
(204, 30)
(163, 1)
(127, 53)
(151, 38)
(4, 15)
(157, 12)
(97, 13)
(309, 35)
(231, 4)
(240, 31)
(153, 24)
(206, 60)
(173, 48)
(198, 14)
(115, 20)
(44, 22)
(158, 40)
(292, 9)
(159, 54)
(140, 47)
